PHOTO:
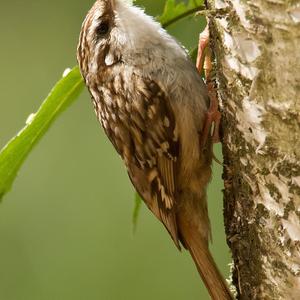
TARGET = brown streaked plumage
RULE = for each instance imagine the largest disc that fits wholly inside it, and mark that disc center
(151, 102)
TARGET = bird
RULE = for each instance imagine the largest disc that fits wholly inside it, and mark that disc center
(151, 102)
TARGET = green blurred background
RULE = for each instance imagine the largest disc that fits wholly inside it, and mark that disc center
(65, 228)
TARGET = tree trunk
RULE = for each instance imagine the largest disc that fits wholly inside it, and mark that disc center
(257, 49)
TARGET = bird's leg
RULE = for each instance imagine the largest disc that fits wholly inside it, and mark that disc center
(213, 116)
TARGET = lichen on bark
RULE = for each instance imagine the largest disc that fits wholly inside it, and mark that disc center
(257, 62)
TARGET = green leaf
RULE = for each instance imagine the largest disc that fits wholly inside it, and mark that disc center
(137, 207)
(14, 153)
(174, 11)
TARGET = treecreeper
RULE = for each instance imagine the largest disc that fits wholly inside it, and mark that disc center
(152, 103)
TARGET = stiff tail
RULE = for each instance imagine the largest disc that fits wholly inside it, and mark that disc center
(206, 266)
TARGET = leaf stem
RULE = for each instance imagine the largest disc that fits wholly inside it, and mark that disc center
(182, 16)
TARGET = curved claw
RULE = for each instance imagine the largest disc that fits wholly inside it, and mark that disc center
(212, 121)
(213, 116)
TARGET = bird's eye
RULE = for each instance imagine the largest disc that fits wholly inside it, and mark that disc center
(102, 28)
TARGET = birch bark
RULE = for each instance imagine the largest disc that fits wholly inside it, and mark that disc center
(257, 49)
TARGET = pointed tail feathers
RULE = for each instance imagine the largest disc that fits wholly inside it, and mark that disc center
(206, 266)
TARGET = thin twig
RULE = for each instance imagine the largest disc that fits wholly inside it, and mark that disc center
(183, 15)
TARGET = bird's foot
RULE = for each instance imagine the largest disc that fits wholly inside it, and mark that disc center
(213, 116)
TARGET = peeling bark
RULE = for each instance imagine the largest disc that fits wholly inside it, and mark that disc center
(257, 48)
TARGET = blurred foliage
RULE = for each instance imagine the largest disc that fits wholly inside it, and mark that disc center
(174, 11)
(136, 211)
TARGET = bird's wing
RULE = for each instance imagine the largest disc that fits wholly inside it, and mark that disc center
(155, 145)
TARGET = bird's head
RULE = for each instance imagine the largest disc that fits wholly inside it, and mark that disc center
(114, 31)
